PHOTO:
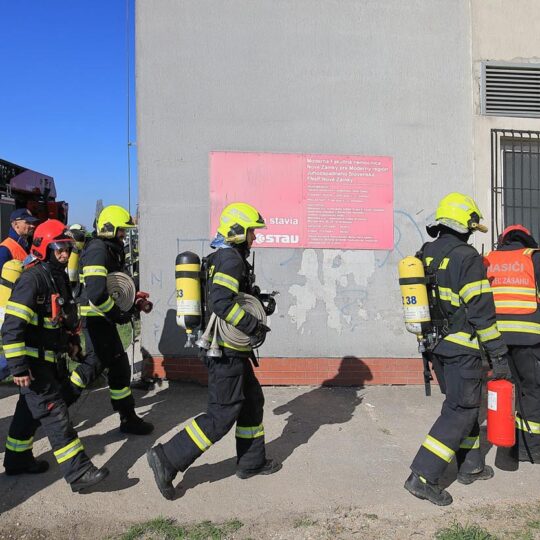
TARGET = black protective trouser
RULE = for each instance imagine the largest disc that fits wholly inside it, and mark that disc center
(456, 433)
(234, 395)
(42, 403)
(526, 373)
(104, 349)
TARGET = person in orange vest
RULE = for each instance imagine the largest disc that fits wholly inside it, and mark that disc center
(514, 273)
(17, 244)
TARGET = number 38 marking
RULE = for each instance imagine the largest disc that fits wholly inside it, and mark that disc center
(409, 300)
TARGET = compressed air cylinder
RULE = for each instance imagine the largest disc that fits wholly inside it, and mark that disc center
(11, 271)
(73, 262)
(501, 427)
(188, 291)
(413, 294)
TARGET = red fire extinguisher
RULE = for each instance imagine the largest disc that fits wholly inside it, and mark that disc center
(501, 421)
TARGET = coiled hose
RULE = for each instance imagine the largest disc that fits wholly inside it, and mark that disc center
(231, 334)
(121, 288)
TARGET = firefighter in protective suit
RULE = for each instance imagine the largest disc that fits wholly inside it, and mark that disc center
(467, 300)
(234, 393)
(514, 274)
(102, 255)
(41, 322)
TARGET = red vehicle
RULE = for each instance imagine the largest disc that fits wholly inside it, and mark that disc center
(23, 188)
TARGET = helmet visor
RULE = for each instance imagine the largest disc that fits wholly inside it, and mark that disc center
(65, 244)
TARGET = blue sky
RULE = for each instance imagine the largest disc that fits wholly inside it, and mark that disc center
(63, 97)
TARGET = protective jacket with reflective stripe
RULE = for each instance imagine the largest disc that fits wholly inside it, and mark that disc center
(228, 274)
(29, 333)
(99, 258)
(462, 282)
(516, 285)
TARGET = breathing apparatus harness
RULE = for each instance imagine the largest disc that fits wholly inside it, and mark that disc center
(442, 324)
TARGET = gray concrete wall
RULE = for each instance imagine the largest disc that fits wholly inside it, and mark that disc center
(366, 77)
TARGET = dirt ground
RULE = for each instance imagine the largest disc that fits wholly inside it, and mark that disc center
(345, 454)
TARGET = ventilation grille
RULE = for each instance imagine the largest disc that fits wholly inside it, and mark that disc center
(511, 90)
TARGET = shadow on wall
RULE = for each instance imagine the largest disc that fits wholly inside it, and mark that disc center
(172, 339)
(307, 413)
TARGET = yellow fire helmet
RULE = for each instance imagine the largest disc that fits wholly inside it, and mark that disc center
(111, 219)
(460, 213)
(235, 221)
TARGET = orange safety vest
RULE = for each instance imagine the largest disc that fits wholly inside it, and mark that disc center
(511, 274)
(16, 250)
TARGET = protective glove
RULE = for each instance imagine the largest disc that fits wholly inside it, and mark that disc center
(501, 367)
(258, 335)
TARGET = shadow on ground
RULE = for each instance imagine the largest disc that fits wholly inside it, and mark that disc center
(321, 406)
(168, 408)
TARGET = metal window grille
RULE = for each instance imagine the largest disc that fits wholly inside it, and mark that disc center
(510, 89)
(515, 180)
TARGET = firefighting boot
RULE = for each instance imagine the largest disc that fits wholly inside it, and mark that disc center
(423, 489)
(131, 423)
(90, 478)
(164, 472)
(469, 478)
(270, 467)
(37, 466)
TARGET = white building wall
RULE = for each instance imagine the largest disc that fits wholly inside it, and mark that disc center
(364, 77)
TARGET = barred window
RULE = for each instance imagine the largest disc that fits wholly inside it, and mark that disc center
(515, 180)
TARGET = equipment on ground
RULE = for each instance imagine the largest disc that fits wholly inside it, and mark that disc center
(501, 430)
(188, 294)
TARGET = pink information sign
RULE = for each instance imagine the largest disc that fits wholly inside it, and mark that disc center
(309, 200)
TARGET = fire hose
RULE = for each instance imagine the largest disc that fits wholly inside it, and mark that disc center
(220, 329)
(122, 290)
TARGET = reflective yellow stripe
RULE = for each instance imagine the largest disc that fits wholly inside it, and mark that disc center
(12, 350)
(120, 394)
(233, 347)
(487, 334)
(106, 306)
(515, 304)
(450, 296)
(198, 437)
(463, 338)
(522, 425)
(89, 311)
(48, 322)
(19, 310)
(76, 380)
(442, 266)
(235, 315)
(438, 448)
(519, 326)
(249, 432)
(95, 270)
(475, 288)
(68, 451)
(49, 356)
(17, 445)
(226, 281)
(522, 291)
(470, 443)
